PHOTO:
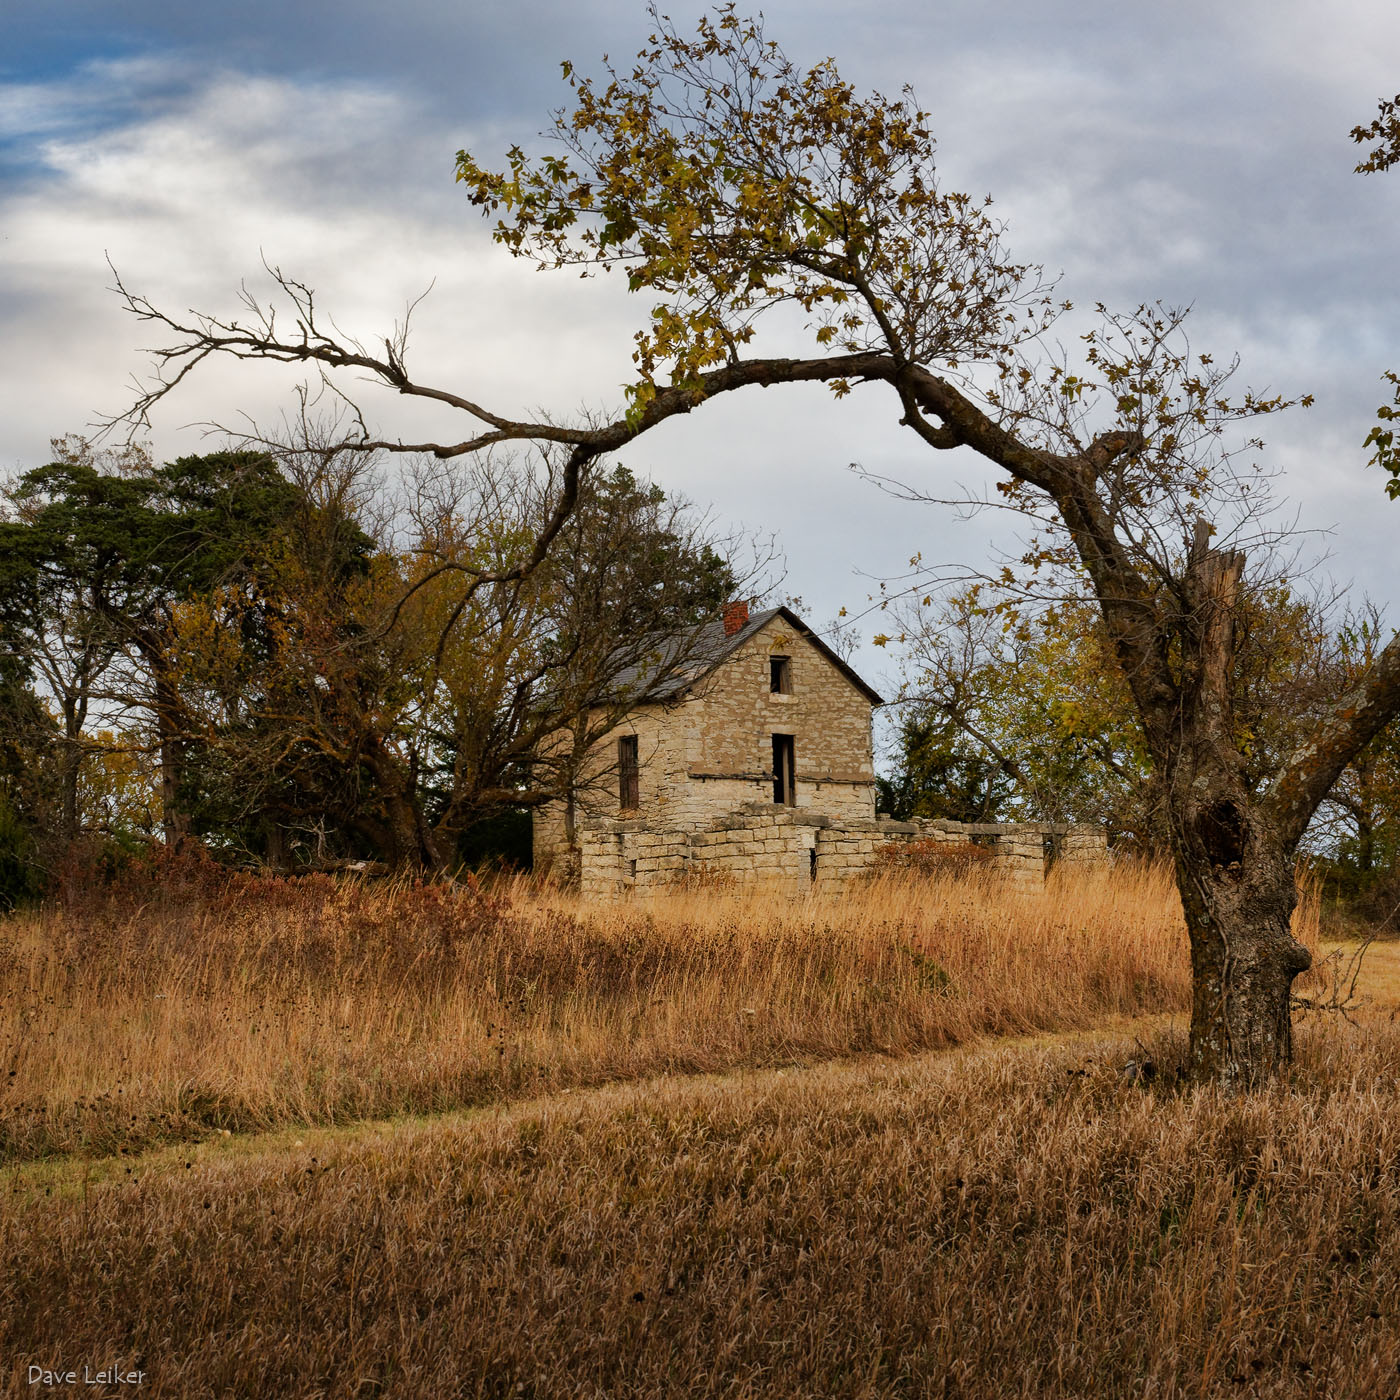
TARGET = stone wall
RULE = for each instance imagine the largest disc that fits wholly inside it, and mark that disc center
(790, 850)
(773, 849)
(1020, 850)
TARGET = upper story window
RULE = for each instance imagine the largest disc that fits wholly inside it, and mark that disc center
(780, 675)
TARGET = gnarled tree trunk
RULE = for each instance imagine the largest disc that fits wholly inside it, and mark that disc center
(1238, 893)
(1234, 869)
(1173, 628)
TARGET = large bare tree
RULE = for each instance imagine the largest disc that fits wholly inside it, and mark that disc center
(726, 183)
(354, 689)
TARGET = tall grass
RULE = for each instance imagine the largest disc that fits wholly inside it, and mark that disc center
(228, 1002)
(1018, 1223)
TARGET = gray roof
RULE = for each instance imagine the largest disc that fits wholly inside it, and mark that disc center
(688, 657)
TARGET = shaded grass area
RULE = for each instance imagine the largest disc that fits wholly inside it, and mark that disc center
(990, 1222)
(231, 1003)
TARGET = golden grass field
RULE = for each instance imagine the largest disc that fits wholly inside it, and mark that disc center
(244, 1004)
(874, 1147)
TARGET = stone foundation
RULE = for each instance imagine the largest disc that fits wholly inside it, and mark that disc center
(791, 849)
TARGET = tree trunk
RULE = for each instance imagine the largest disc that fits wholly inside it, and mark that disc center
(174, 821)
(410, 850)
(1238, 893)
(274, 843)
(69, 763)
(1365, 845)
(413, 843)
(75, 709)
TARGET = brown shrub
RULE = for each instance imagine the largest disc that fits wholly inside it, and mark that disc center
(928, 857)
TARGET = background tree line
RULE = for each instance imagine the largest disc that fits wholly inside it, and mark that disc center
(253, 649)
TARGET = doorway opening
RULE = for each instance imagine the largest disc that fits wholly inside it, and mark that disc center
(628, 774)
(784, 770)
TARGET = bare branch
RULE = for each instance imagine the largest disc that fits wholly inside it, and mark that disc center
(1357, 718)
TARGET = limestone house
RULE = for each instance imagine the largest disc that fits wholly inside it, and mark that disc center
(752, 760)
(764, 712)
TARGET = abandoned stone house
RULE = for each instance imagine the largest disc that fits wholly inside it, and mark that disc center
(752, 760)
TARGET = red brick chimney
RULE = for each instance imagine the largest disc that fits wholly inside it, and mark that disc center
(736, 616)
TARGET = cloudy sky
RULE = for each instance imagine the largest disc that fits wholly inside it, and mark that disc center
(1191, 152)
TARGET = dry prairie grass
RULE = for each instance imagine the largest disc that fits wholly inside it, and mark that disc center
(213, 1002)
(983, 1223)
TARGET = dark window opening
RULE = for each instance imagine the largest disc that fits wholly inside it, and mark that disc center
(628, 775)
(1052, 844)
(784, 770)
(812, 864)
(780, 675)
(987, 840)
